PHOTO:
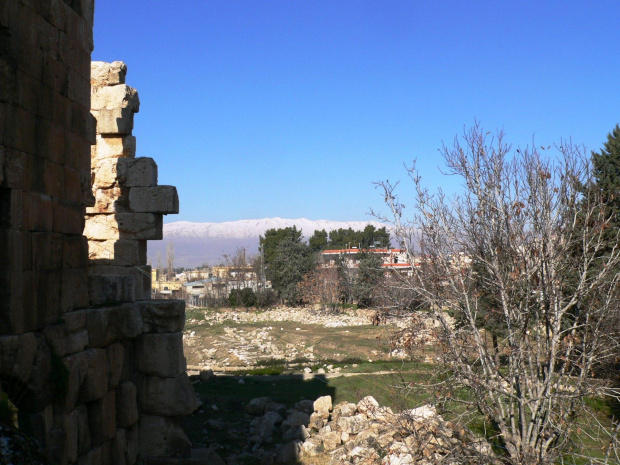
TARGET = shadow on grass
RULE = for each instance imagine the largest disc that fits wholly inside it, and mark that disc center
(223, 421)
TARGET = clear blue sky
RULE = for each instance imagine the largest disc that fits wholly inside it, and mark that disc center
(293, 108)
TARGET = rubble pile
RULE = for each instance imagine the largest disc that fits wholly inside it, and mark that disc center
(350, 433)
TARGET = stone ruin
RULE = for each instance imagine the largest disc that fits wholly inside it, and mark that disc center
(94, 367)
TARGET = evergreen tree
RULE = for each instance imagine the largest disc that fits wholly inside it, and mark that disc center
(269, 243)
(369, 275)
(606, 170)
(292, 260)
(318, 241)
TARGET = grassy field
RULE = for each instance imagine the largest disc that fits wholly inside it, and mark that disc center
(363, 355)
(308, 342)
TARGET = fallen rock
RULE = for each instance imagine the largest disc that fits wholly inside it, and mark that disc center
(257, 406)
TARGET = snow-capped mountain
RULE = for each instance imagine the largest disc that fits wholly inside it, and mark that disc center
(255, 228)
(199, 243)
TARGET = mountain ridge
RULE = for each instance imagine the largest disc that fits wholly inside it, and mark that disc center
(198, 243)
(257, 227)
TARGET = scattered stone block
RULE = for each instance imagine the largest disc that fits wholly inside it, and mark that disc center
(353, 424)
(257, 406)
(323, 405)
(367, 404)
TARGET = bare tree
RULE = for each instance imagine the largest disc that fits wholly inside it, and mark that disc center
(517, 253)
(321, 286)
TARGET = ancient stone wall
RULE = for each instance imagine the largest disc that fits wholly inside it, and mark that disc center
(95, 368)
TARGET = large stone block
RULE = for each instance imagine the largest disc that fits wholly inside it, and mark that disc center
(77, 366)
(94, 456)
(121, 252)
(160, 354)
(107, 74)
(48, 298)
(135, 226)
(74, 251)
(67, 425)
(118, 121)
(54, 179)
(37, 425)
(46, 250)
(73, 184)
(126, 404)
(133, 444)
(157, 199)
(83, 431)
(110, 289)
(115, 97)
(119, 448)
(102, 418)
(108, 325)
(110, 200)
(162, 316)
(162, 437)
(11, 251)
(37, 213)
(14, 167)
(116, 355)
(140, 226)
(95, 384)
(125, 172)
(167, 396)
(68, 217)
(68, 337)
(17, 356)
(139, 172)
(113, 146)
(74, 290)
(2, 158)
(142, 278)
(105, 173)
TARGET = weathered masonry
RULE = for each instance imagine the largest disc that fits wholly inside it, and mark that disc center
(95, 368)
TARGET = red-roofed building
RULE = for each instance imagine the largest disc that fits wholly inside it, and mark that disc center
(393, 259)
